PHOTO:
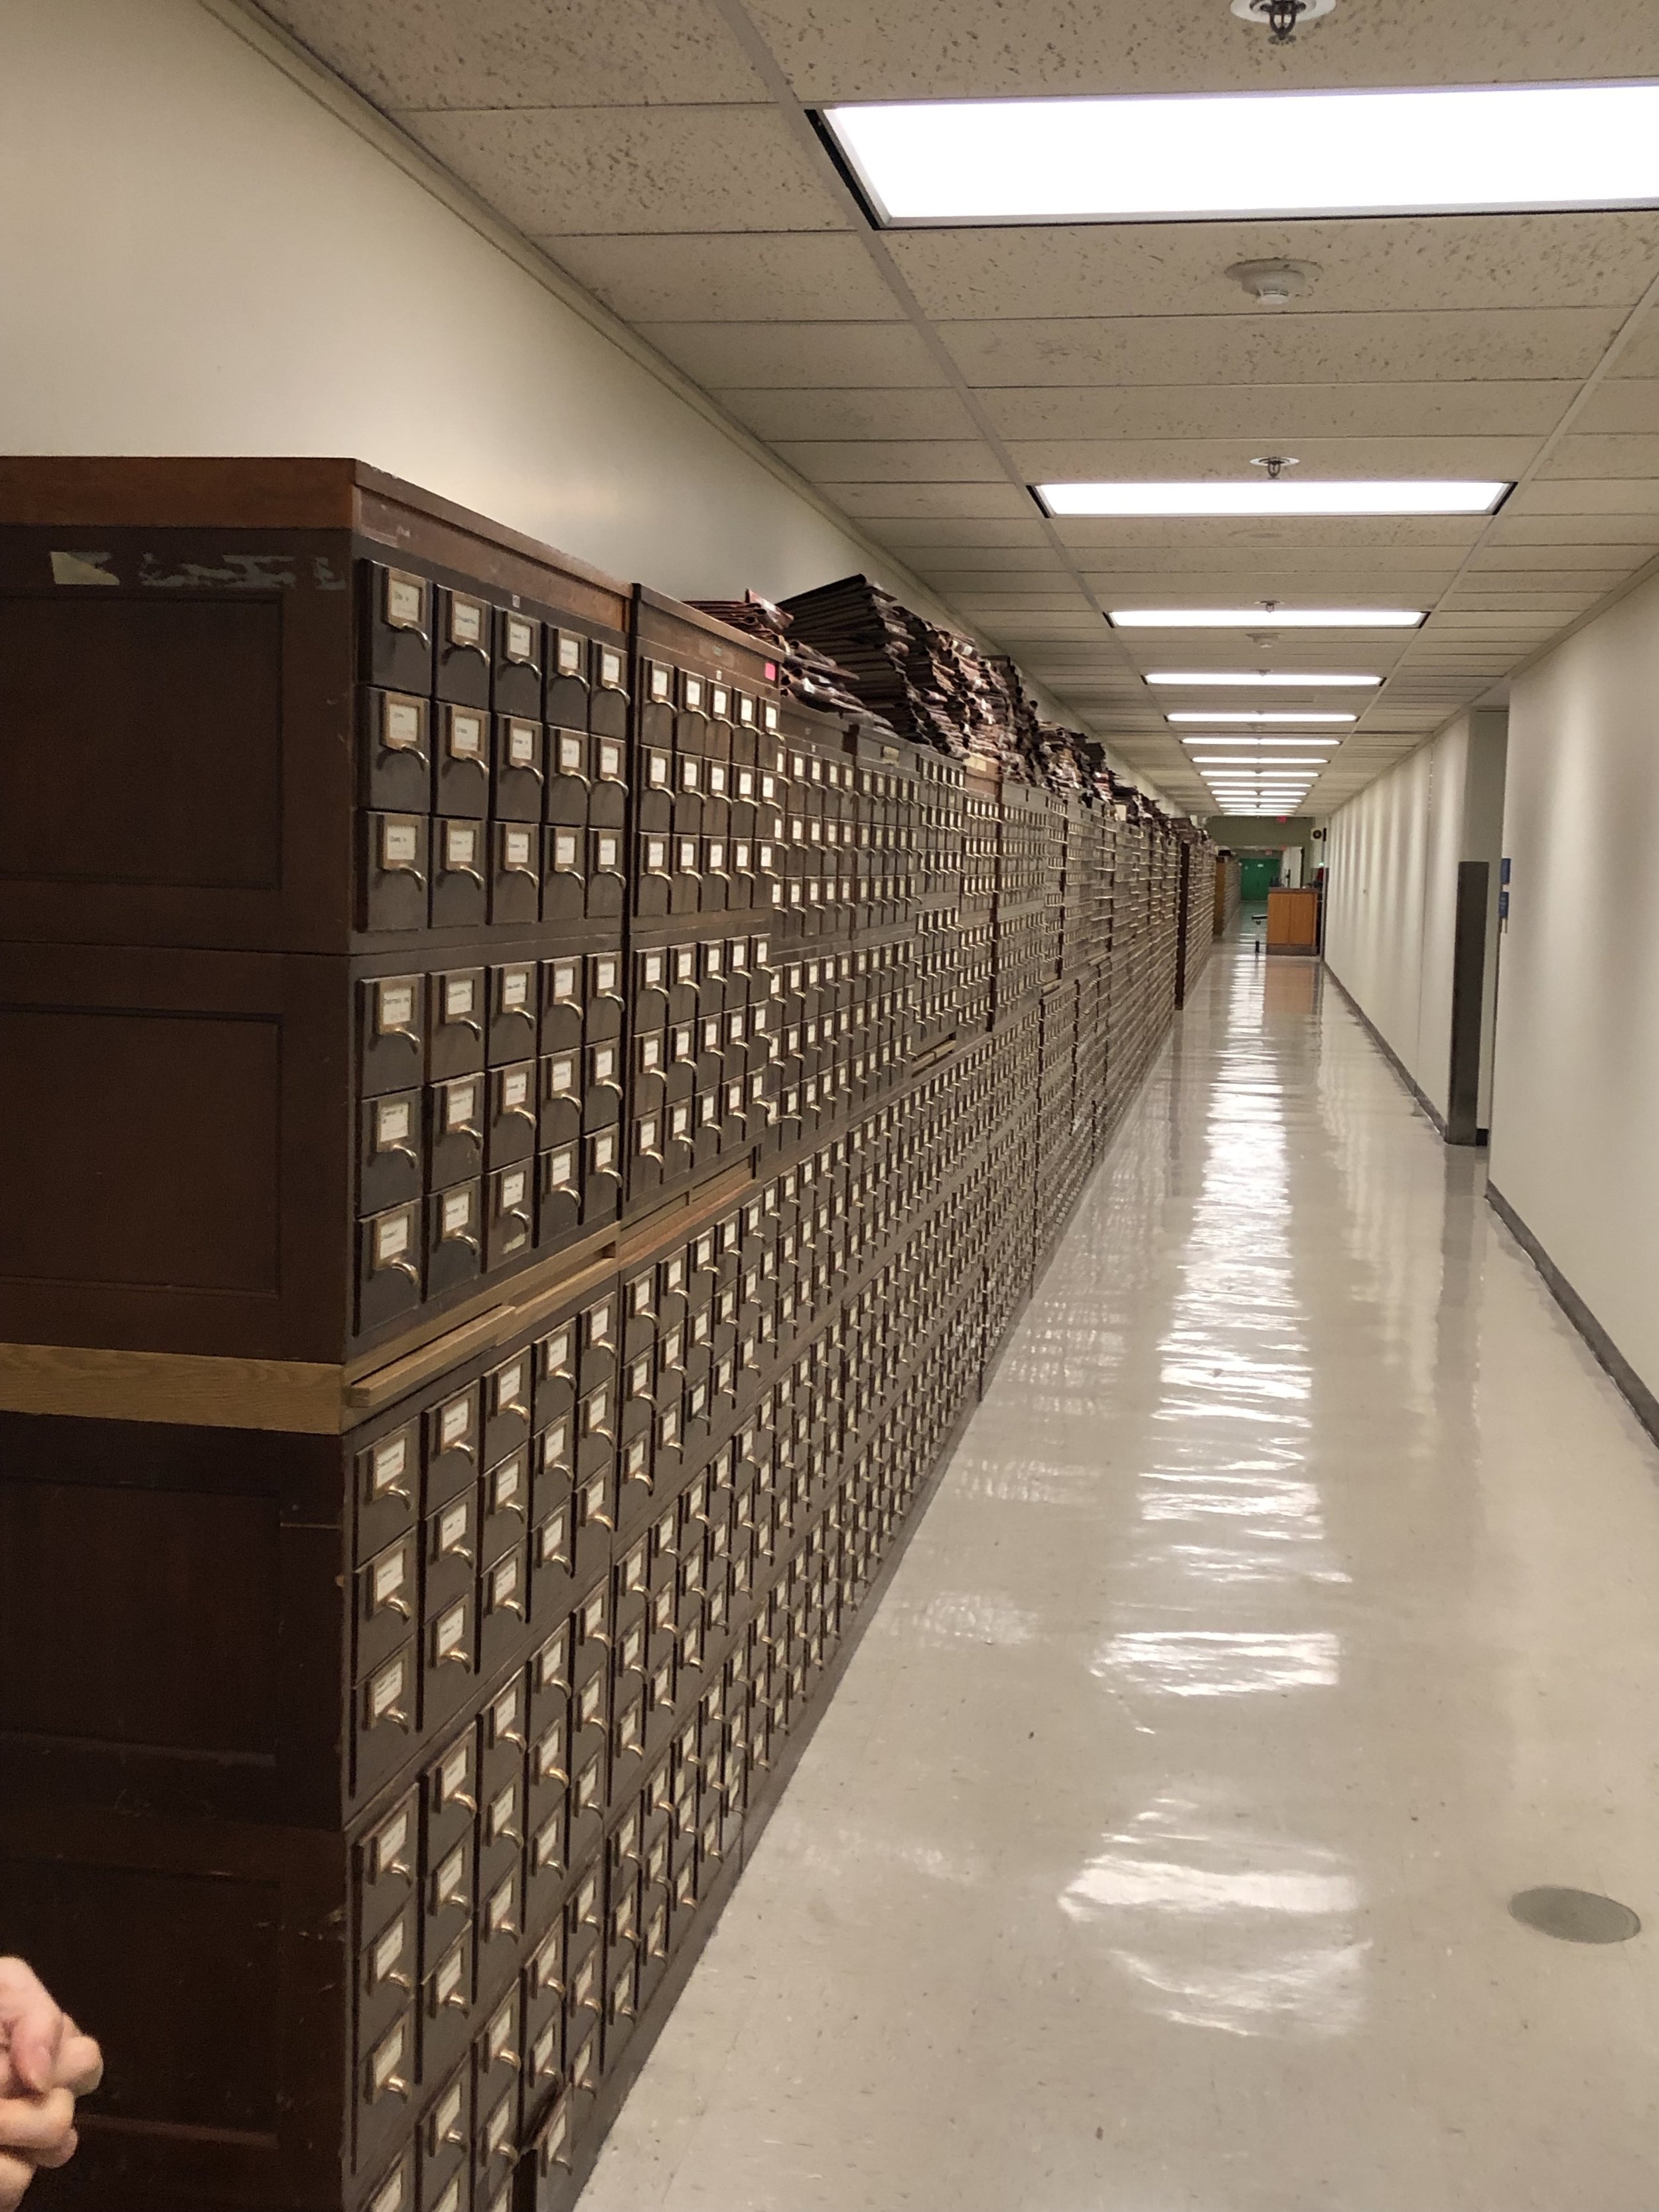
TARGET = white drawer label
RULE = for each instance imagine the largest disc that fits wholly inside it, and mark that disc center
(391, 1238)
(385, 1689)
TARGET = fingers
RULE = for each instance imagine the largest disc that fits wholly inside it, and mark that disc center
(45, 2063)
(37, 2125)
(80, 2062)
(61, 2154)
(33, 2023)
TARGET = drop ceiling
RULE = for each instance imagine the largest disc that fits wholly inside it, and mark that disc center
(663, 155)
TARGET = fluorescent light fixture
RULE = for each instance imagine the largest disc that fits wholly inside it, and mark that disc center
(1229, 761)
(1264, 617)
(1265, 496)
(1178, 158)
(1269, 718)
(1268, 679)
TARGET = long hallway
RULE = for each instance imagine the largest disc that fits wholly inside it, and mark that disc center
(1286, 1608)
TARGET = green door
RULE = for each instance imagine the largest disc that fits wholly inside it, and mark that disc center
(1256, 877)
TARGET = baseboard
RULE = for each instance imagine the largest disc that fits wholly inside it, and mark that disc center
(1641, 1401)
(1388, 1052)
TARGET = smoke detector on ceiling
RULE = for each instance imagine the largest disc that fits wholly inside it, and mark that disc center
(1274, 283)
(1284, 18)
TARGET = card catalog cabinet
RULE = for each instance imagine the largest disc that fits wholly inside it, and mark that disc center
(516, 1176)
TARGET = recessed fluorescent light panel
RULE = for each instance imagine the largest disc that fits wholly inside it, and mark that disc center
(1268, 496)
(1267, 617)
(1273, 679)
(1178, 158)
(1267, 719)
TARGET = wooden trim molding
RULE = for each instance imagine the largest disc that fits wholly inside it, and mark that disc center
(182, 1388)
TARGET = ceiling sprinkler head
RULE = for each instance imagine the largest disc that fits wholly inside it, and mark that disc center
(1275, 464)
(1283, 18)
(1274, 283)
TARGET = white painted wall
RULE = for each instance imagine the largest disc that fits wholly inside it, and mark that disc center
(1575, 1112)
(1392, 857)
(196, 256)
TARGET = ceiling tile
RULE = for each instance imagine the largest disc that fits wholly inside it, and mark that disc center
(992, 607)
(781, 277)
(1597, 582)
(1621, 403)
(522, 53)
(1523, 561)
(1550, 343)
(1397, 568)
(1632, 454)
(1387, 264)
(1217, 586)
(1265, 413)
(869, 50)
(1640, 358)
(990, 501)
(876, 413)
(1597, 495)
(1564, 605)
(562, 172)
(1512, 527)
(968, 565)
(1492, 626)
(913, 534)
(890, 460)
(795, 354)
(1050, 460)
(1006, 588)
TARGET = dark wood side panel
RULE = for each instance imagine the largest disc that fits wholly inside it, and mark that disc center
(176, 737)
(174, 1152)
(171, 1620)
(139, 1617)
(205, 1958)
(140, 741)
(140, 1149)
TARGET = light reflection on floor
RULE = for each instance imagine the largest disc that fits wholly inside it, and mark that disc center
(1290, 1601)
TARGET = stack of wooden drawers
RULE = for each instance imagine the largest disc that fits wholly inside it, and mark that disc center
(519, 1149)
(1195, 925)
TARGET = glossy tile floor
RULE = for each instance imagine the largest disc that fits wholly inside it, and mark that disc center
(1292, 1601)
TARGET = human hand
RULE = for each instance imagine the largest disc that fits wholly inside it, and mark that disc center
(46, 2063)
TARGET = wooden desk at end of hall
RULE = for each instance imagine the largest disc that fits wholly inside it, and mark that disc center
(1294, 921)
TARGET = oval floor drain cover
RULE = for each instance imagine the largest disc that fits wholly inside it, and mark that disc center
(1577, 1916)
